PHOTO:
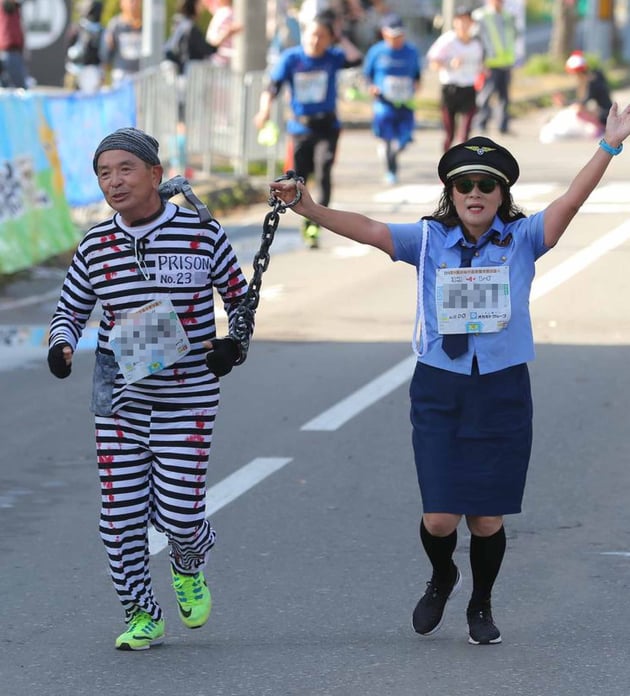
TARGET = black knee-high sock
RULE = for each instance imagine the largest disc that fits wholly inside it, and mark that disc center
(440, 552)
(486, 555)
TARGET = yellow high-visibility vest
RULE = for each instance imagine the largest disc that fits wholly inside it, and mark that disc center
(500, 43)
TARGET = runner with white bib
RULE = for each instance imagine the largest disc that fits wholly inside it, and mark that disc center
(471, 406)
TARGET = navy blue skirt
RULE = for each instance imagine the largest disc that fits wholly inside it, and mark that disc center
(472, 439)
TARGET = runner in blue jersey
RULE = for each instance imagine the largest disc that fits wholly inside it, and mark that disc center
(311, 70)
(392, 67)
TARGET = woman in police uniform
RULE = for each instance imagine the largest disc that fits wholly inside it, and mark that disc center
(471, 407)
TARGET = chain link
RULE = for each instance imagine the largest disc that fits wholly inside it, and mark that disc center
(243, 322)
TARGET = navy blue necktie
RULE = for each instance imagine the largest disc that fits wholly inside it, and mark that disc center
(455, 345)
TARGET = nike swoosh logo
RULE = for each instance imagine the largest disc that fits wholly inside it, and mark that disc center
(183, 611)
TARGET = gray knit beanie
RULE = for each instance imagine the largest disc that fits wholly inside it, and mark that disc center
(131, 140)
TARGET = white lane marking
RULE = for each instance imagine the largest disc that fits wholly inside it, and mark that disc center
(351, 251)
(227, 490)
(579, 261)
(613, 192)
(347, 408)
(625, 554)
(613, 207)
(30, 300)
(272, 292)
(529, 191)
(411, 193)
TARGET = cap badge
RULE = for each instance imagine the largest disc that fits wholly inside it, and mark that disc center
(480, 150)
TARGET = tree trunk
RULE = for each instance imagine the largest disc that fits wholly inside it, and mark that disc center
(562, 40)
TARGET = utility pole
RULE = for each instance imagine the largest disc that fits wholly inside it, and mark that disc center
(448, 9)
(153, 32)
(598, 37)
(250, 45)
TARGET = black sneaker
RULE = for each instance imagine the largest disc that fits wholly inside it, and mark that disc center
(428, 615)
(481, 626)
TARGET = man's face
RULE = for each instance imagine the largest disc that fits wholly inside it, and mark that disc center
(395, 39)
(316, 40)
(129, 184)
(132, 8)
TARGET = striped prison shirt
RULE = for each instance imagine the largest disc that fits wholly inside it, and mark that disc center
(123, 268)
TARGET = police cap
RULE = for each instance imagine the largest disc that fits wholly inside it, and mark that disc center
(479, 155)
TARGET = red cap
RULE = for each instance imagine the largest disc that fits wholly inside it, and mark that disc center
(576, 63)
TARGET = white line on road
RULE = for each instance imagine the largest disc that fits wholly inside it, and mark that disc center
(347, 408)
(30, 300)
(227, 490)
(579, 261)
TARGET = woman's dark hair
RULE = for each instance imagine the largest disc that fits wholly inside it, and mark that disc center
(326, 18)
(9, 6)
(187, 8)
(94, 11)
(446, 214)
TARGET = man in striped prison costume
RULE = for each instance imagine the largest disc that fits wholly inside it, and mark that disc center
(152, 267)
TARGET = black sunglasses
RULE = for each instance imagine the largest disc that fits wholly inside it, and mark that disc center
(467, 185)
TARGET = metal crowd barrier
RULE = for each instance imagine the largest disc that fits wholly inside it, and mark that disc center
(219, 105)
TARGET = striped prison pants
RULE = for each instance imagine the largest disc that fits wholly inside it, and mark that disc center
(152, 464)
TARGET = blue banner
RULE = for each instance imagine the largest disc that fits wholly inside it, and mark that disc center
(35, 221)
(80, 122)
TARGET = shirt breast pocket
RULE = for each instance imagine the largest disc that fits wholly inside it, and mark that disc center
(497, 256)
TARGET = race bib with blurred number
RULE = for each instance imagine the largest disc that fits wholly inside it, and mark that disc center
(473, 300)
(148, 340)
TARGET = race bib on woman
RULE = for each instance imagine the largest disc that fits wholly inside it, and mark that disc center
(473, 300)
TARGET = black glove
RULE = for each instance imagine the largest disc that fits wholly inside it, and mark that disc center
(223, 356)
(56, 361)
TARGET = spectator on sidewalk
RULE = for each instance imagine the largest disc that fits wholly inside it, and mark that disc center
(593, 92)
(310, 70)
(13, 72)
(497, 30)
(471, 406)
(83, 55)
(365, 30)
(122, 41)
(392, 70)
(185, 44)
(283, 28)
(221, 30)
(458, 57)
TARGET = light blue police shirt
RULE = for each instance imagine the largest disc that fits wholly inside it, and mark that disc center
(518, 246)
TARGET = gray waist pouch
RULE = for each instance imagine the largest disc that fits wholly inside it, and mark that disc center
(105, 371)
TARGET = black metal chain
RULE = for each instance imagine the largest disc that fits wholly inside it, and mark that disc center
(243, 321)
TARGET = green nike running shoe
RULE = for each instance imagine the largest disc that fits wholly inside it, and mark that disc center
(310, 234)
(142, 632)
(193, 598)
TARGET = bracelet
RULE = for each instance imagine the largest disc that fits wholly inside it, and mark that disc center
(609, 148)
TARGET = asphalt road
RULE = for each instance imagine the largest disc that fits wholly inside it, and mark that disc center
(312, 487)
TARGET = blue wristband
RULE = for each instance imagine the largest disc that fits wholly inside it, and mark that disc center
(609, 148)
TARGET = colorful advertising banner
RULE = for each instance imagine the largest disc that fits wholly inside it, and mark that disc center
(35, 219)
(80, 122)
(46, 148)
